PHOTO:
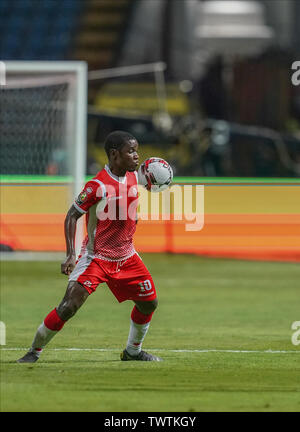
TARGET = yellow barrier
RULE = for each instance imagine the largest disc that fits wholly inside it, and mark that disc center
(250, 222)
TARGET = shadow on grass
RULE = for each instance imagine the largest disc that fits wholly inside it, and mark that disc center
(57, 362)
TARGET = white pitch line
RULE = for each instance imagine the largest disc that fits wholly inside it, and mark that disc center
(168, 350)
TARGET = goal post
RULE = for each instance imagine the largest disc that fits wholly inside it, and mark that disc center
(36, 75)
(43, 134)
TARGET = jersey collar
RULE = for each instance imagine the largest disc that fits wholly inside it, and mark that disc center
(116, 178)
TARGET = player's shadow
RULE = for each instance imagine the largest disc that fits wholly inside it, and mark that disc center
(31, 365)
(80, 361)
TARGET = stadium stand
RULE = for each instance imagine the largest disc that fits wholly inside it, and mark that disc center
(54, 30)
(29, 32)
(101, 30)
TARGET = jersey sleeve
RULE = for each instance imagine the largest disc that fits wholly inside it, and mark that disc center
(93, 192)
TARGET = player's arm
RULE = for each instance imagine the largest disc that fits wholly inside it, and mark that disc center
(91, 194)
(70, 230)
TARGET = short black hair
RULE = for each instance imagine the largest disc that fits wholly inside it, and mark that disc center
(116, 140)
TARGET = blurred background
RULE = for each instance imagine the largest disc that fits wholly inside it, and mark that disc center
(226, 106)
(205, 84)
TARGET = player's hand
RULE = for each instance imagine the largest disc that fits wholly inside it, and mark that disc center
(68, 265)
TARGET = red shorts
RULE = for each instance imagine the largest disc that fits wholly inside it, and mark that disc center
(128, 280)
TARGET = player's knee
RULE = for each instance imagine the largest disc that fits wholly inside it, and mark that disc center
(66, 310)
(147, 307)
(154, 304)
(75, 296)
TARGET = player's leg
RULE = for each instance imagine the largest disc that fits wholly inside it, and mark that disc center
(134, 282)
(73, 299)
(147, 307)
(84, 280)
(140, 319)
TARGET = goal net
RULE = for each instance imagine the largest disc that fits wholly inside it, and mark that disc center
(43, 119)
(34, 130)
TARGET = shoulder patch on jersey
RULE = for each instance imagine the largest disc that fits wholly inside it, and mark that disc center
(81, 197)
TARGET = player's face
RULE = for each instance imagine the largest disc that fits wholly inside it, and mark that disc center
(128, 158)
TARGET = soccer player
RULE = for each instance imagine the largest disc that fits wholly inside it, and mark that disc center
(110, 202)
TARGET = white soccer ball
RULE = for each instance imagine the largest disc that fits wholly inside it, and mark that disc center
(155, 174)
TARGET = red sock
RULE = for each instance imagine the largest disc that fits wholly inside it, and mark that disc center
(140, 318)
(53, 321)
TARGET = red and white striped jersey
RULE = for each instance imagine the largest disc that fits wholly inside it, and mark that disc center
(110, 204)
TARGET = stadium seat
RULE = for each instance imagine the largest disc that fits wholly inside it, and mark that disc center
(97, 39)
(4, 8)
(27, 26)
(11, 41)
(18, 22)
(102, 19)
(63, 22)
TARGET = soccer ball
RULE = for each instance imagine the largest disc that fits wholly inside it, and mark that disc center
(155, 174)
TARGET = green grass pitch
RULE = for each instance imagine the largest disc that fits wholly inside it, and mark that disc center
(223, 328)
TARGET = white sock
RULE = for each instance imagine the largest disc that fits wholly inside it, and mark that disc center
(137, 333)
(42, 337)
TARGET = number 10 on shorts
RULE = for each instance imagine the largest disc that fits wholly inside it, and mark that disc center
(145, 286)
